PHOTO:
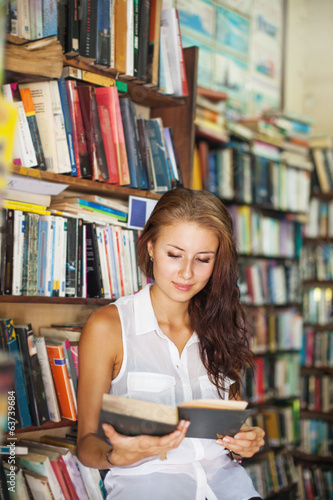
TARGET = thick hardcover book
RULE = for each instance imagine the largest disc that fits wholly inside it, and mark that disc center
(210, 418)
(68, 123)
(132, 148)
(21, 393)
(79, 141)
(94, 275)
(31, 362)
(71, 258)
(29, 109)
(93, 133)
(144, 18)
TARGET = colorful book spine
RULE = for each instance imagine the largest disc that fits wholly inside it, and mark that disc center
(68, 123)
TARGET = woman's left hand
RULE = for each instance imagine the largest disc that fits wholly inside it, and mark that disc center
(246, 442)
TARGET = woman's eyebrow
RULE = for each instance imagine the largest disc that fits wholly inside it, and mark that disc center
(182, 250)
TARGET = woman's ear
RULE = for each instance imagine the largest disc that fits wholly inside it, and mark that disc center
(150, 248)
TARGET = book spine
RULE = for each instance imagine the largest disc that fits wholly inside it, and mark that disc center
(129, 140)
(25, 20)
(68, 123)
(18, 252)
(88, 29)
(73, 25)
(94, 283)
(50, 392)
(100, 151)
(120, 13)
(64, 163)
(103, 33)
(144, 19)
(103, 263)
(79, 258)
(71, 259)
(8, 282)
(50, 17)
(135, 36)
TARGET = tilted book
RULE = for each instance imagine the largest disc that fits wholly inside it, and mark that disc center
(210, 418)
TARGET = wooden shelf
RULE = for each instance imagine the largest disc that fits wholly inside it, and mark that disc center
(269, 257)
(318, 283)
(139, 92)
(319, 328)
(47, 426)
(288, 305)
(316, 415)
(316, 370)
(23, 299)
(84, 185)
(270, 210)
(317, 459)
(320, 240)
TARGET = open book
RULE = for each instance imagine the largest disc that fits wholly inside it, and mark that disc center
(210, 418)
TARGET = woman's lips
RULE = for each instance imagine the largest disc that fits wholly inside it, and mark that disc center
(183, 288)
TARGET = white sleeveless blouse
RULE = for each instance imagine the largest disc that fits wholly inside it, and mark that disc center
(152, 370)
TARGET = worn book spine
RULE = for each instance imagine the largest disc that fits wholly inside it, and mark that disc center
(131, 147)
(120, 13)
(73, 28)
(108, 141)
(144, 20)
(98, 137)
(29, 109)
(88, 30)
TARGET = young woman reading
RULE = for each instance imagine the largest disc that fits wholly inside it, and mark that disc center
(181, 338)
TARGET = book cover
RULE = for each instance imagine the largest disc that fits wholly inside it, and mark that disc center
(68, 123)
(94, 276)
(210, 419)
(160, 164)
(50, 17)
(61, 380)
(64, 162)
(38, 485)
(29, 109)
(108, 96)
(41, 96)
(71, 257)
(103, 32)
(79, 141)
(21, 393)
(106, 116)
(46, 373)
(144, 25)
(93, 133)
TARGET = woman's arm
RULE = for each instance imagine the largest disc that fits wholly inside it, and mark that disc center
(100, 359)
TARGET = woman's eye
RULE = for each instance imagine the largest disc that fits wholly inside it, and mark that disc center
(173, 256)
(204, 261)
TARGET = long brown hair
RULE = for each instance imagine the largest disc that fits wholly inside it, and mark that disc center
(216, 312)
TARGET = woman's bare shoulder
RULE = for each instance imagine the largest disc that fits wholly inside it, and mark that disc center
(103, 325)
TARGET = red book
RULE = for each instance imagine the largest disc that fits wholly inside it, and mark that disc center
(79, 141)
(123, 162)
(106, 114)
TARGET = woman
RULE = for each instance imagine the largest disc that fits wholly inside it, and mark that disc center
(181, 338)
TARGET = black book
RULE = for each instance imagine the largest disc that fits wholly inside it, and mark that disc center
(88, 30)
(71, 258)
(72, 34)
(144, 151)
(4, 214)
(103, 33)
(94, 275)
(144, 24)
(33, 376)
(210, 419)
(79, 258)
(9, 245)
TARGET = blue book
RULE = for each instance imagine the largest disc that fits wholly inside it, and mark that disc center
(50, 17)
(102, 208)
(154, 129)
(20, 389)
(103, 32)
(68, 123)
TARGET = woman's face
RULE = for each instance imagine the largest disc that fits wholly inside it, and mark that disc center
(184, 256)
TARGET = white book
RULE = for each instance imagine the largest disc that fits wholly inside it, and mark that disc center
(25, 20)
(165, 77)
(104, 266)
(50, 392)
(128, 281)
(41, 464)
(19, 221)
(112, 261)
(58, 261)
(25, 197)
(105, 236)
(116, 234)
(134, 264)
(169, 21)
(92, 481)
(64, 162)
(41, 96)
(130, 40)
(39, 485)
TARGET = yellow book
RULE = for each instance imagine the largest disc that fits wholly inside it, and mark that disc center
(23, 204)
(196, 179)
(26, 209)
(8, 120)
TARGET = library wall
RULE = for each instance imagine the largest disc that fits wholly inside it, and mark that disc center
(308, 85)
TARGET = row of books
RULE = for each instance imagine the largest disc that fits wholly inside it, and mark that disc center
(316, 262)
(68, 127)
(318, 306)
(264, 282)
(316, 437)
(46, 374)
(271, 331)
(317, 348)
(275, 377)
(317, 393)
(49, 469)
(273, 473)
(136, 39)
(259, 234)
(281, 424)
(322, 156)
(315, 482)
(320, 224)
(57, 256)
(236, 173)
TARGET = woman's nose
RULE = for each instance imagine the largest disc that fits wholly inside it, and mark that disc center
(186, 269)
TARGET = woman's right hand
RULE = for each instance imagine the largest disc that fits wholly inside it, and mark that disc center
(130, 449)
